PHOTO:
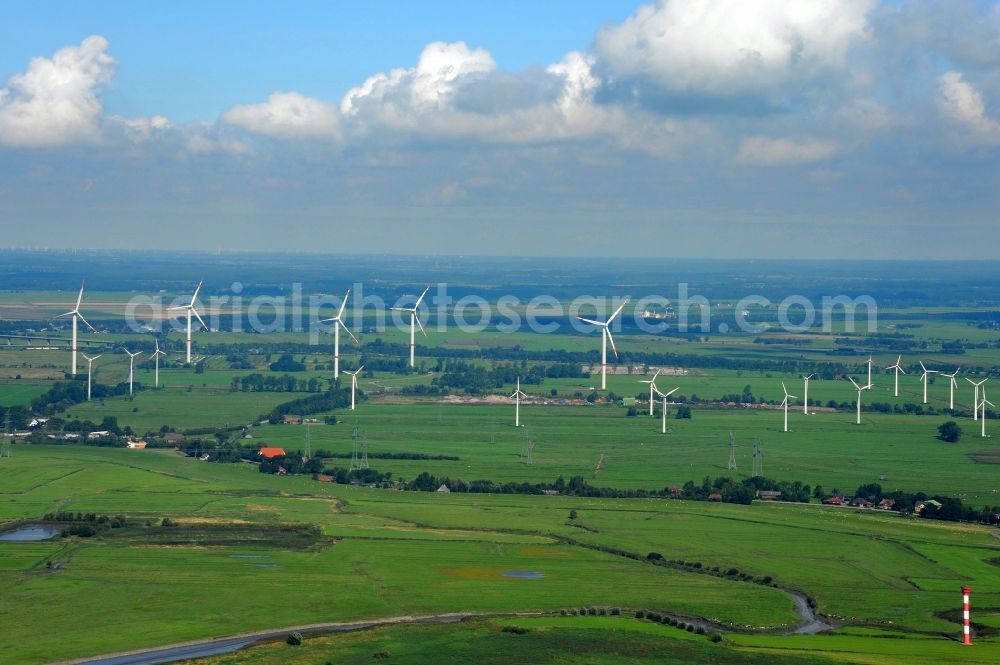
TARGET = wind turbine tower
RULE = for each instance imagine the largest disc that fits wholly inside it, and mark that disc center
(927, 373)
(982, 405)
(859, 389)
(975, 400)
(784, 403)
(190, 309)
(90, 366)
(414, 321)
(5, 445)
(952, 384)
(517, 395)
(805, 393)
(354, 383)
(898, 370)
(869, 363)
(338, 323)
(156, 359)
(606, 337)
(75, 313)
(652, 387)
(131, 368)
(663, 408)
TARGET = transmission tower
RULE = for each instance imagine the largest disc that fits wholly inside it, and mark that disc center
(308, 451)
(354, 448)
(5, 446)
(364, 453)
(732, 453)
(525, 447)
(758, 459)
(493, 430)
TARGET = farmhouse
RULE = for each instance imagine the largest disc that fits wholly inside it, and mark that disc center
(886, 504)
(138, 445)
(98, 434)
(444, 489)
(173, 438)
(292, 420)
(768, 495)
(715, 496)
(861, 502)
(270, 453)
(835, 501)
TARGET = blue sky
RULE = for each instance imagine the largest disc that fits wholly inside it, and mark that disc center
(814, 128)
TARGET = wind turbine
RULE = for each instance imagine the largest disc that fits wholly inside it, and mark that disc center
(805, 394)
(975, 400)
(517, 395)
(131, 365)
(156, 356)
(952, 384)
(784, 403)
(605, 338)
(927, 372)
(354, 383)
(899, 369)
(859, 389)
(652, 387)
(983, 404)
(75, 313)
(90, 364)
(338, 322)
(190, 309)
(414, 321)
(663, 408)
(869, 363)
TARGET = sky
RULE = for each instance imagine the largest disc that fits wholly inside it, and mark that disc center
(681, 128)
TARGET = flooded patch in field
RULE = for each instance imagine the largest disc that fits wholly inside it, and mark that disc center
(30, 533)
(262, 565)
(249, 556)
(547, 552)
(492, 574)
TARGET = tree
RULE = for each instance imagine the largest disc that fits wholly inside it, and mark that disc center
(950, 432)
(572, 514)
(683, 413)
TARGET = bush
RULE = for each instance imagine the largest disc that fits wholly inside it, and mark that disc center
(680, 624)
(689, 628)
(639, 614)
(699, 630)
(294, 639)
(950, 432)
(380, 654)
(516, 630)
(716, 637)
(616, 611)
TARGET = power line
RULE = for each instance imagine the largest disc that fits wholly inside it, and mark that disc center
(732, 453)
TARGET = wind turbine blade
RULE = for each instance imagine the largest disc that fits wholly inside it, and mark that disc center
(611, 339)
(398, 309)
(922, 366)
(343, 304)
(592, 322)
(419, 325)
(783, 388)
(170, 309)
(79, 298)
(59, 316)
(670, 392)
(85, 321)
(331, 319)
(618, 311)
(348, 331)
(195, 296)
(421, 298)
(358, 370)
(200, 320)
(854, 382)
(656, 375)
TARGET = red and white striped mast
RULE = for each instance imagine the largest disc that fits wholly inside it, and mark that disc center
(966, 636)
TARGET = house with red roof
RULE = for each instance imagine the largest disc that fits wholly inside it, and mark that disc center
(270, 453)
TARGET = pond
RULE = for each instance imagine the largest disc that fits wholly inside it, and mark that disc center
(523, 574)
(31, 532)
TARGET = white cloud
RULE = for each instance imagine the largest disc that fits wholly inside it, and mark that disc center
(429, 86)
(141, 129)
(764, 151)
(55, 101)
(287, 115)
(729, 47)
(962, 102)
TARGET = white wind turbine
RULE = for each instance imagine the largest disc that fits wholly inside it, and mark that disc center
(927, 372)
(952, 384)
(983, 406)
(605, 327)
(75, 313)
(517, 395)
(805, 394)
(784, 403)
(190, 309)
(414, 321)
(338, 322)
(156, 357)
(899, 370)
(90, 365)
(859, 389)
(975, 399)
(354, 382)
(652, 387)
(131, 368)
(869, 363)
(663, 408)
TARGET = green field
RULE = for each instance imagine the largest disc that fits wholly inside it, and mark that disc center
(389, 553)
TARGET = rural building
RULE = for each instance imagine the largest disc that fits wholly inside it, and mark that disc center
(292, 420)
(323, 478)
(768, 495)
(271, 452)
(444, 489)
(861, 502)
(98, 434)
(835, 501)
(886, 504)
(173, 438)
(715, 496)
(138, 445)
